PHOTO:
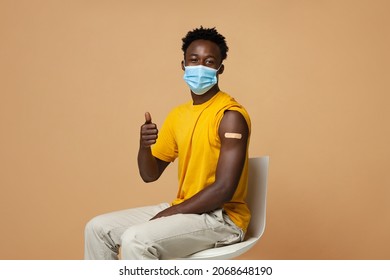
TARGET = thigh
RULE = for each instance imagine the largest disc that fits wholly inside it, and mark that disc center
(182, 234)
(115, 223)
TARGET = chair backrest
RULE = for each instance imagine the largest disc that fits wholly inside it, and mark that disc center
(257, 194)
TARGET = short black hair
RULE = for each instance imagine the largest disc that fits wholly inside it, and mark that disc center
(210, 34)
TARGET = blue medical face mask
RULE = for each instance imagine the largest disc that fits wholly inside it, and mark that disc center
(200, 78)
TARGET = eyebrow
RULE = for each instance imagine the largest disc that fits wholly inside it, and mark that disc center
(207, 56)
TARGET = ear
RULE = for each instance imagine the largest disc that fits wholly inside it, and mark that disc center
(182, 65)
(221, 69)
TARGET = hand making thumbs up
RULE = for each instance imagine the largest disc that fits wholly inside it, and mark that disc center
(149, 132)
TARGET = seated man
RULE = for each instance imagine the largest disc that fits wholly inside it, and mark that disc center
(209, 135)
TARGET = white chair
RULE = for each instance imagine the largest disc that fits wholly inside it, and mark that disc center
(256, 199)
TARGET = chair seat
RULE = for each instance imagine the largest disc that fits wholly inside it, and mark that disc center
(227, 252)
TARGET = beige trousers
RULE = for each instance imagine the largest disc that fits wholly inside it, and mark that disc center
(164, 238)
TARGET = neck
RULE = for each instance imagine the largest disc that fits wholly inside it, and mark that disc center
(200, 99)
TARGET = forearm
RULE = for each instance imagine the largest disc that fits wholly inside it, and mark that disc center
(147, 165)
(209, 199)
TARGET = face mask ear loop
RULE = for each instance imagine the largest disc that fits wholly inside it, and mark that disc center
(219, 68)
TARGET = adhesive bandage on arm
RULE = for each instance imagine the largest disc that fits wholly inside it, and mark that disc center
(233, 135)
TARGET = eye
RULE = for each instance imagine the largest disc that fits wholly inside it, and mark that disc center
(210, 62)
(193, 59)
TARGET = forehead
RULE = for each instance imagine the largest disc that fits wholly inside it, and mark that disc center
(203, 47)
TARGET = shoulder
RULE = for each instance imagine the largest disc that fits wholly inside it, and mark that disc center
(234, 121)
(179, 110)
(234, 111)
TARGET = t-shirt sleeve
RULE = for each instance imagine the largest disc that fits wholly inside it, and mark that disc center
(166, 147)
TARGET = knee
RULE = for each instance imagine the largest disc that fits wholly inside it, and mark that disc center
(136, 246)
(93, 227)
(131, 238)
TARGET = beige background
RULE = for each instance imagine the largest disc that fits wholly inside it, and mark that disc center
(77, 76)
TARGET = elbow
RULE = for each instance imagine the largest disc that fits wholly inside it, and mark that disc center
(226, 194)
(148, 179)
(228, 197)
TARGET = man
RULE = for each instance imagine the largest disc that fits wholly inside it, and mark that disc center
(209, 135)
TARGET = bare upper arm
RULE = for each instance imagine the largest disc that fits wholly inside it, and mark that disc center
(234, 134)
(233, 127)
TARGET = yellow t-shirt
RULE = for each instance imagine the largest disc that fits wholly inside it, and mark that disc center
(190, 133)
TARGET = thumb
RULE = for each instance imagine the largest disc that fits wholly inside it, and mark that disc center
(148, 118)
